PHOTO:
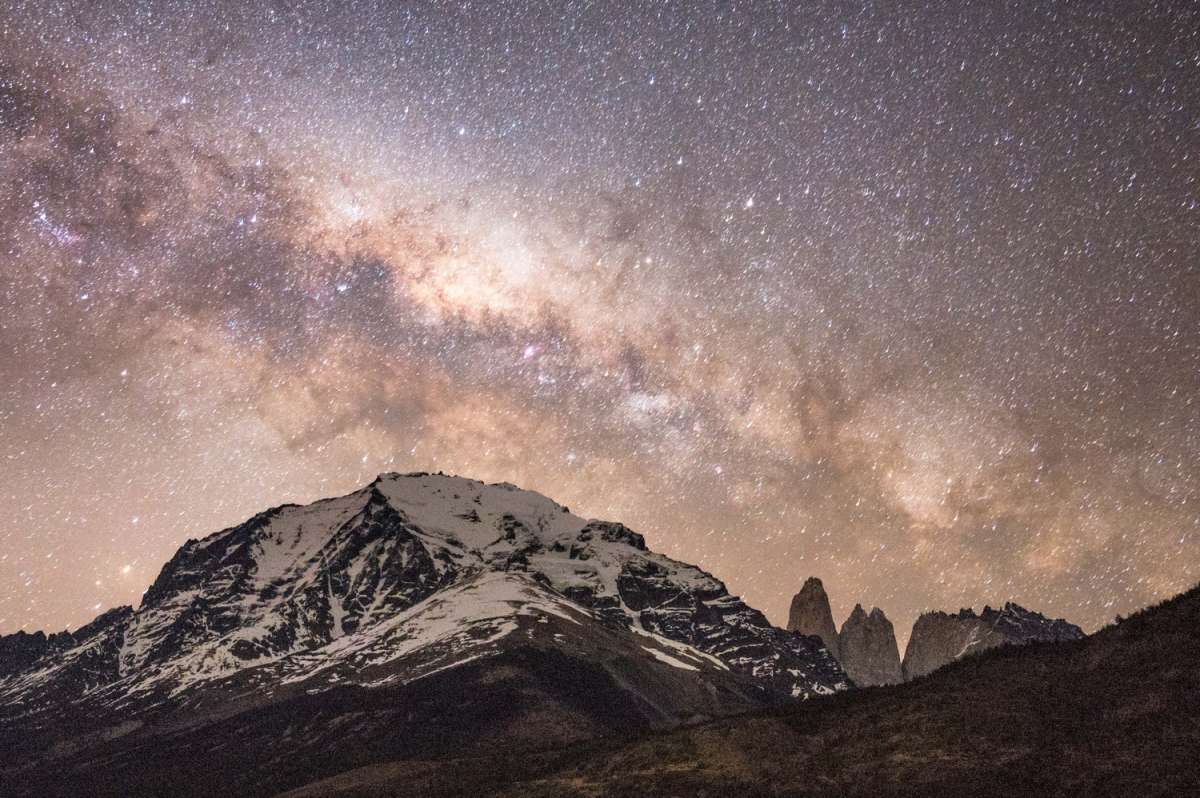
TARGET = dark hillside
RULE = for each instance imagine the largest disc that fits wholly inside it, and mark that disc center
(1116, 714)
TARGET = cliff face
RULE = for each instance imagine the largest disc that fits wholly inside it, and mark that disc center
(939, 638)
(868, 650)
(810, 615)
(866, 646)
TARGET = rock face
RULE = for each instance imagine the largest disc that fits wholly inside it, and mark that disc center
(810, 615)
(420, 610)
(868, 650)
(939, 638)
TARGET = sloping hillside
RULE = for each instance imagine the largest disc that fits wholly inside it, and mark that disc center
(1116, 714)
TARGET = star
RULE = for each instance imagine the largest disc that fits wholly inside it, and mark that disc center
(907, 302)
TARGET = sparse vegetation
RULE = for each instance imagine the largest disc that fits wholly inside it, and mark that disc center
(1117, 714)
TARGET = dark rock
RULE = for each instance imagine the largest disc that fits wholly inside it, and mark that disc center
(939, 638)
(867, 646)
(616, 533)
(20, 650)
(810, 614)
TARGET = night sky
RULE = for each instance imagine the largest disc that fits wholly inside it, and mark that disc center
(908, 299)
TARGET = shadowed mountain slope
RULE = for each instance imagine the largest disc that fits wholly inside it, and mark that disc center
(1115, 714)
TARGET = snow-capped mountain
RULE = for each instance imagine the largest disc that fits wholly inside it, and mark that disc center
(413, 578)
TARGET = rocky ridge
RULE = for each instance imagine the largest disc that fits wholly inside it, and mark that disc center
(939, 638)
(866, 645)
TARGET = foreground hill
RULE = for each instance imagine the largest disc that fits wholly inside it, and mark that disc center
(1115, 714)
(423, 615)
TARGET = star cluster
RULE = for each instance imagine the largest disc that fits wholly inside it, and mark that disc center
(907, 298)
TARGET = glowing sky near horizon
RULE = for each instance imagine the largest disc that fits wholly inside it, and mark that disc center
(905, 299)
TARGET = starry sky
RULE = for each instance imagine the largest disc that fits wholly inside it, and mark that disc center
(907, 298)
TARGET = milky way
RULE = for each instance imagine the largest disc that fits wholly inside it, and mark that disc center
(906, 299)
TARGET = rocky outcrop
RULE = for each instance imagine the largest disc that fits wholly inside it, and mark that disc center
(810, 614)
(939, 638)
(867, 648)
(1019, 625)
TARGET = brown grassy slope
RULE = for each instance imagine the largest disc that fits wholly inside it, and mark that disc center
(1117, 714)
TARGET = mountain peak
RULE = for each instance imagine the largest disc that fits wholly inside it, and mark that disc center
(385, 583)
(868, 648)
(810, 614)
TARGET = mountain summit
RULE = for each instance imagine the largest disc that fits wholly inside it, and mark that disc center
(810, 614)
(414, 589)
(867, 648)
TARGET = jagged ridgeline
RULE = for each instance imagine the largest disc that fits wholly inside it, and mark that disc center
(417, 585)
(866, 645)
(939, 638)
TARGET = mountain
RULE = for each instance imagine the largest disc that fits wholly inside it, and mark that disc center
(810, 614)
(868, 651)
(865, 647)
(420, 615)
(939, 638)
(1111, 715)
